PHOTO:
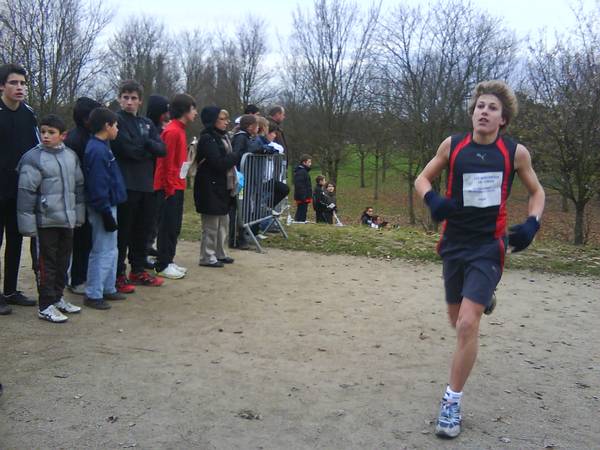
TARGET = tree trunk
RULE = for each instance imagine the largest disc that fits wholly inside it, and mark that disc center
(384, 164)
(411, 189)
(565, 204)
(411, 201)
(579, 235)
(362, 169)
(376, 192)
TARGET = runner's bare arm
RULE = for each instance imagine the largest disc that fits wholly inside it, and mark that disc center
(528, 177)
(433, 169)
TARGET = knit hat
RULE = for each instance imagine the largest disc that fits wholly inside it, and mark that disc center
(157, 106)
(82, 109)
(209, 115)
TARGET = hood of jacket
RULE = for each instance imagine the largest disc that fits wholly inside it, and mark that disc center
(157, 106)
(82, 109)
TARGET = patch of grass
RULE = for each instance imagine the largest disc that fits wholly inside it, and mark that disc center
(414, 245)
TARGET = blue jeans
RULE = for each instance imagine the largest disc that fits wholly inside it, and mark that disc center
(102, 264)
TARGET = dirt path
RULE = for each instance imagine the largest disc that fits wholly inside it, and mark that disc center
(302, 351)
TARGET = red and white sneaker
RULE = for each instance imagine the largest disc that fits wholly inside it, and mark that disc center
(145, 279)
(124, 286)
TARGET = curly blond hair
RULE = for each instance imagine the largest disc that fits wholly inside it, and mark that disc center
(510, 104)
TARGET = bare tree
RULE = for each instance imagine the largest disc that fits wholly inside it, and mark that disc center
(430, 61)
(328, 60)
(566, 94)
(55, 40)
(252, 50)
(142, 50)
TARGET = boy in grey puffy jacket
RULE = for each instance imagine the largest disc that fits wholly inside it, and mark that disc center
(50, 204)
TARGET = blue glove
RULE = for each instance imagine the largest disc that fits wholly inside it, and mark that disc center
(520, 236)
(441, 207)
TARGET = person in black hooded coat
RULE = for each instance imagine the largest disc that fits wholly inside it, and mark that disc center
(157, 110)
(214, 185)
(77, 139)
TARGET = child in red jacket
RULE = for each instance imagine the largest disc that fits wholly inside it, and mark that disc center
(170, 181)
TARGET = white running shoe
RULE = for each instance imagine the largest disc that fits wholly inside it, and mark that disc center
(67, 307)
(171, 272)
(52, 314)
(181, 269)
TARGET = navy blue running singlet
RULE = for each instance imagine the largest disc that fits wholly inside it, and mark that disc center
(479, 180)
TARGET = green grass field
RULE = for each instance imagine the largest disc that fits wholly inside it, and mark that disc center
(551, 252)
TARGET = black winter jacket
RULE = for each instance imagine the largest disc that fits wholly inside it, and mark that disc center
(78, 137)
(18, 134)
(302, 184)
(211, 195)
(136, 147)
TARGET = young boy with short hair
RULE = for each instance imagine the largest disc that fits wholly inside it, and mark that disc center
(50, 204)
(170, 181)
(136, 147)
(105, 189)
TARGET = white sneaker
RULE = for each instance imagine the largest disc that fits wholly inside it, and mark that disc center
(181, 269)
(66, 307)
(171, 272)
(261, 236)
(51, 314)
(78, 289)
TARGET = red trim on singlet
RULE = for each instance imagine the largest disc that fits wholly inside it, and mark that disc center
(502, 254)
(453, 154)
(501, 219)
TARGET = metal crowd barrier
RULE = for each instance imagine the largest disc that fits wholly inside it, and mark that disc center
(255, 200)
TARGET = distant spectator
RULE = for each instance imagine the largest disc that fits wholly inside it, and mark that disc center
(242, 143)
(330, 199)
(302, 187)
(248, 128)
(276, 117)
(367, 216)
(319, 201)
(249, 109)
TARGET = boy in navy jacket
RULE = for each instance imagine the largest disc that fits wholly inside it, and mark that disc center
(105, 189)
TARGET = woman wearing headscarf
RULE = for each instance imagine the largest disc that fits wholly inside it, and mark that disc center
(215, 185)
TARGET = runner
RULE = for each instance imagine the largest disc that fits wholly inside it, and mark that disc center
(481, 167)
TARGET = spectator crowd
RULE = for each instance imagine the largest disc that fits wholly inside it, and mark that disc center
(95, 199)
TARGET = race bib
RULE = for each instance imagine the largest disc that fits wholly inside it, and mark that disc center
(482, 190)
(185, 168)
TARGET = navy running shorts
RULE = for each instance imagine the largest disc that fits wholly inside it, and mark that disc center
(472, 271)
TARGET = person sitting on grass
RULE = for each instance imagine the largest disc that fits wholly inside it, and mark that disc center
(367, 216)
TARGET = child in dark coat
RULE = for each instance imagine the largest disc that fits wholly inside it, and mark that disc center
(302, 187)
(330, 202)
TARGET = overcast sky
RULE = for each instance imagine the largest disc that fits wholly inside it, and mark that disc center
(524, 16)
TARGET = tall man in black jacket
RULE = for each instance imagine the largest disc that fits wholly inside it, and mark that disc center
(136, 147)
(18, 133)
